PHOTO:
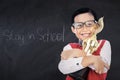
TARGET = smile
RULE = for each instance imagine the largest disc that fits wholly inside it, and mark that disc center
(85, 34)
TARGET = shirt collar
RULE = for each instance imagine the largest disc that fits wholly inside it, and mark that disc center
(80, 42)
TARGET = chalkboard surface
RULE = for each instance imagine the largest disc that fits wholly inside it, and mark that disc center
(34, 32)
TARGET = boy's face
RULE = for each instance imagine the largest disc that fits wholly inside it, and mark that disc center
(88, 27)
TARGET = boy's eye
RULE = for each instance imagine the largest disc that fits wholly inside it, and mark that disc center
(91, 23)
(78, 25)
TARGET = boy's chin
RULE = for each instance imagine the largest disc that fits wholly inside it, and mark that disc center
(85, 38)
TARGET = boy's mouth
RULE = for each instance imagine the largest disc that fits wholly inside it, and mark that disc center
(85, 34)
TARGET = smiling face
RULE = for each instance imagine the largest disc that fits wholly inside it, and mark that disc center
(85, 31)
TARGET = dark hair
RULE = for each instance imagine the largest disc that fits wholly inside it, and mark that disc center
(84, 10)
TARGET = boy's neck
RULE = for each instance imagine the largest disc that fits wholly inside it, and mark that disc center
(80, 42)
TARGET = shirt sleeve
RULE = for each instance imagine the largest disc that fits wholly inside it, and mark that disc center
(70, 65)
(105, 54)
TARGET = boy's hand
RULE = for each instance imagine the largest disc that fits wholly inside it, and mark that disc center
(96, 62)
(72, 53)
(99, 65)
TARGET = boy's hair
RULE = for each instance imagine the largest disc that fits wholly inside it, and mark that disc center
(84, 10)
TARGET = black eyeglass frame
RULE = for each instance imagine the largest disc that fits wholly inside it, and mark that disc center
(84, 23)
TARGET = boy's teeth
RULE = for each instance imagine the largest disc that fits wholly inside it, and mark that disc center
(85, 34)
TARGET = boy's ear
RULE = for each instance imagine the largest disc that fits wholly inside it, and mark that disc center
(73, 29)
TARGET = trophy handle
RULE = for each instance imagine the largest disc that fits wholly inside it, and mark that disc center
(90, 45)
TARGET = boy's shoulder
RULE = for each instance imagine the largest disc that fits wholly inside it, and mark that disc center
(104, 40)
(72, 45)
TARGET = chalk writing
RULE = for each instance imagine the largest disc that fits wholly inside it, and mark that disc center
(41, 34)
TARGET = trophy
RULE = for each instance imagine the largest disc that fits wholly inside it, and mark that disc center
(91, 44)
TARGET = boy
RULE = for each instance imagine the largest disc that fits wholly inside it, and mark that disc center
(77, 56)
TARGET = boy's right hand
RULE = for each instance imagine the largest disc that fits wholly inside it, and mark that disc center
(72, 53)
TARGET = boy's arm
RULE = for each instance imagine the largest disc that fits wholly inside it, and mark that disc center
(69, 65)
(72, 53)
(74, 64)
(105, 54)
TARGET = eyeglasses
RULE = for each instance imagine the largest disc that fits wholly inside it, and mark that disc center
(89, 23)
